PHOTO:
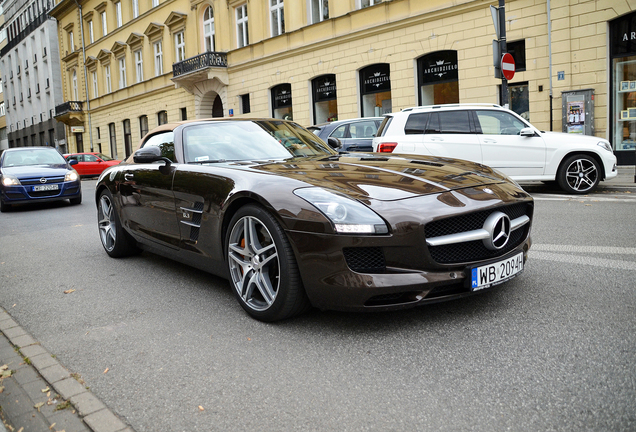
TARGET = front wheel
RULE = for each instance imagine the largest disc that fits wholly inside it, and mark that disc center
(263, 270)
(579, 174)
(116, 241)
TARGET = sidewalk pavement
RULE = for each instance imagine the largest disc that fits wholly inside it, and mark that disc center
(626, 177)
(39, 395)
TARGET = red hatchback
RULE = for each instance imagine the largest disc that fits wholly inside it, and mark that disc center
(91, 164)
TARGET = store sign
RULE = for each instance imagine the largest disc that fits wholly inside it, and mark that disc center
(376, 78)
(77, 129)
(438, 67)
(282, 96)
(325, 88)
(623, 35)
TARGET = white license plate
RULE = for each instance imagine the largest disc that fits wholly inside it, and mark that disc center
(49, 187)
(496, 273)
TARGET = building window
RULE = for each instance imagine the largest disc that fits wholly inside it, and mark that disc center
(127, 137)
(282, 102)
(99, 135)
(518, 96)
(113, 140)
(158, 58)
(518, 51)
(139, 66)
(438, 79)
(118, 13)
(143, 126)
(241, 26)
(367, 3)
(95, 88)
(155, 3)
(179, 46)
(245, 103)
(162, 117)
(122, 72)
(319, 10)
(74, 84)
(71, 42)
(91, 35)
(184, 113)
(135, 8)
(208, 29)
(375, 91)
(325, 99)
(104, 26)
(277, 17)
(107, 85)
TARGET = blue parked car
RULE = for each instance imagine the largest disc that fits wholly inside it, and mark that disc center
(37, 174)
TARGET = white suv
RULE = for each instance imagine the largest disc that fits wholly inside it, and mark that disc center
(499, 138)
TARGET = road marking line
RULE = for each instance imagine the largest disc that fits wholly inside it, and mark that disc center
(586, 261)
(584, 249)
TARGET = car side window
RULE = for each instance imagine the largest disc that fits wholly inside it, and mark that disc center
(433, 124)
(165, 142)
(365, 129)
(454, 122)
(80, 158)
(499, 123)
(416, 123)
(70, 158)
(340, 132)
(90, 158)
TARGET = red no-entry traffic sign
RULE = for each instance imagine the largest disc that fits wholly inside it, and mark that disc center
(508, 66)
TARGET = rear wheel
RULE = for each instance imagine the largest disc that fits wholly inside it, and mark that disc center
(116, 241)
(263, 270)
(579, 174)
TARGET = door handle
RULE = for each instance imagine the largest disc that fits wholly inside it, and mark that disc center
(128, 176)
(490, 141)
(437, 139)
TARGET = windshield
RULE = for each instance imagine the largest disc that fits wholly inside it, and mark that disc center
(250, 140)
(43, 156)
(102, 156)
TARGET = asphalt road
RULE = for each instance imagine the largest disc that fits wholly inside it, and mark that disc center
(554, 349)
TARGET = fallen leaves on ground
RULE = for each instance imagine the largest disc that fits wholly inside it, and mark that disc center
(201, 408)
(106, 371)
(68, 291)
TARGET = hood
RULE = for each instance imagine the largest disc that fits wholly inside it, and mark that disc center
(561, 138)
(385, 178)
(30, 171)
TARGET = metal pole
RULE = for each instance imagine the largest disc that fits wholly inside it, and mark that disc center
(550, 59)
(503, 48)
(88, 102)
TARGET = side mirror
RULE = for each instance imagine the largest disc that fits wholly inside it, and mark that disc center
(334, 143)
(149, 154)
(73, 162)
(527, 132)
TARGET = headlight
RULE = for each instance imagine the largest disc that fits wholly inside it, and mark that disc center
(605, 145)
(10, 181)
(348, 216)
(71, 176)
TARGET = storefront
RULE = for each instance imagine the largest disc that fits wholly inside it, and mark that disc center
(282, 102)
(375, 91)
(325, 98)
(623, 88)
(438, 78)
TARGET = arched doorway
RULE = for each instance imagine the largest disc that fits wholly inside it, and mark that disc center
(217, 107)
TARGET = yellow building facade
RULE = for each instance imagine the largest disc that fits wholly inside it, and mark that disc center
(145, 62)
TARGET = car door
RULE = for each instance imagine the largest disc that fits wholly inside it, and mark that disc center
(504, 148)
(451, 134)
(358, 136)
(147, 199)
(91, 165)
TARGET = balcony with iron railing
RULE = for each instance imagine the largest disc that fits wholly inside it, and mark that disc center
(199, 68)
(70, 113)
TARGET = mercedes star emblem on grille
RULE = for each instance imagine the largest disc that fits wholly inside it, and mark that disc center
(498, 226)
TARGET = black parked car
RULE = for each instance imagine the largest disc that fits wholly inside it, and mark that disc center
(291, 223)
(350, 135)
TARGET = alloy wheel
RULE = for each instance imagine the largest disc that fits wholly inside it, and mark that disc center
(107, 223)
(581, 175)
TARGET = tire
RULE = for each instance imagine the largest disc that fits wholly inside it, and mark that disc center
(579, 174)
(4, 207)
(76, 201)
(116, 241)
(263, 272)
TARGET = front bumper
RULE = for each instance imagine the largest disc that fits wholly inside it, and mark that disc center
(22, 194)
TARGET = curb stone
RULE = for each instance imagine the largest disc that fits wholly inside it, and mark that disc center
(22, 391)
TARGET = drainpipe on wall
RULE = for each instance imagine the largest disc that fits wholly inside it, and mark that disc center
(88, 102)
(550, 59)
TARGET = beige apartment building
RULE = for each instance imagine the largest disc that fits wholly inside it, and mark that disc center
(130, 65)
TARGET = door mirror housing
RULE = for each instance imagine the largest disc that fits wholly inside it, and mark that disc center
(527, 132)
(149, 154)
(334, 143)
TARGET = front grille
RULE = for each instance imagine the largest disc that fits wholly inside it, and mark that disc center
(36, 180)
(474, 250)
(44, 194)
(365, 259)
